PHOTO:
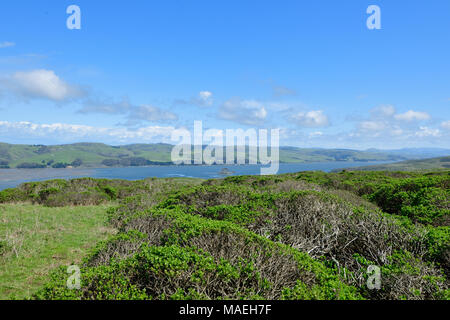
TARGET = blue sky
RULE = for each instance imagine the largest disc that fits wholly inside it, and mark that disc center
(139, 69)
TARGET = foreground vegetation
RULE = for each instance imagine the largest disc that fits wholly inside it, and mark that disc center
(308, 235)
(35, 239)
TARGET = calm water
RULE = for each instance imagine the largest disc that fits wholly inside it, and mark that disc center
(10, 178)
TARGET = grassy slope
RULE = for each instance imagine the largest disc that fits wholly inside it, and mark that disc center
(92, 154)
(36, 239)
(442, 163)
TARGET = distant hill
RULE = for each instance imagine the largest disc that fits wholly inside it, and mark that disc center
(441, 163)
(417, 153)
(102, 155)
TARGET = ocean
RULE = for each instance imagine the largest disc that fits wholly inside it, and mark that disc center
(10, 178)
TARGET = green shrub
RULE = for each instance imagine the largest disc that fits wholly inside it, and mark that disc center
(308, 235)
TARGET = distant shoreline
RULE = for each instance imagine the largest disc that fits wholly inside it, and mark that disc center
(198, 165)
(10, 178)
(98, 155)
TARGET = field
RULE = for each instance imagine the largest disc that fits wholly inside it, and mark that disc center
(308, 235)
(35, 239)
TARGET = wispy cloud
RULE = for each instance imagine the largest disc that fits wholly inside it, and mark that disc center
(135, 115)
(278, 90)
(281, 91)
(361, 96)
(446, 125)
(150, 113)
(6, 44)
(372, 126)
(248, 112)
(412, 115)
(22, 59)
(203, 99)
(382, 112)
(105, 106)
(310, 119)
(76, 133)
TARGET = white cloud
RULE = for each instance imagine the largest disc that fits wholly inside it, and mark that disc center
(383, 111)
(41, 84)
(205, 95)
(446, 125)
(77, 133)
(412, 115)
(428, 132)
(151, 113)
(385, 123)
(372, 126)
(249, 112)
(314, 118)
(203, 99)
(316, 134)
(396, 131)
(6, 44)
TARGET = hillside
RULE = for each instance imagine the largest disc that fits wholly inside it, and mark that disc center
(102, 155)
(442, 163)
(82, 154)
(308, 235)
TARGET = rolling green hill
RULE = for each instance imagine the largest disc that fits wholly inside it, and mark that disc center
(442, 163)
(88, 154)
(101, 155)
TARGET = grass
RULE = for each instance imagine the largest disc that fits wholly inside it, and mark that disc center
(35, 239)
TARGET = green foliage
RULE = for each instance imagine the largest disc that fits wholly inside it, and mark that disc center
(30, 165)
(60, 165)
(171, 270)
(88, 191)
(423, 199)
(308, 235)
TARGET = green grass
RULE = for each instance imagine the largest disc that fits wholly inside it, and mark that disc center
(35, 239)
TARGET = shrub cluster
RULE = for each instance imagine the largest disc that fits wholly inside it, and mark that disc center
(89, 191)
(294, 236)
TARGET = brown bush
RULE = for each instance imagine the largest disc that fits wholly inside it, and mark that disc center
(152, 227)
(281, 270)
